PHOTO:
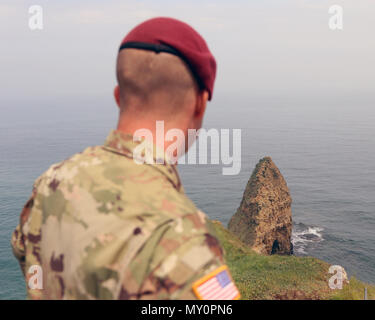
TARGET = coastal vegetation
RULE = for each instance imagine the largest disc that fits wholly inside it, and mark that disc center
(284, 277)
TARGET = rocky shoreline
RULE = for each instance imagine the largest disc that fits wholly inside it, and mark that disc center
(259, 250)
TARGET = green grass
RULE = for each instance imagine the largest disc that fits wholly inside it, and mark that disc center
(282, 277)
(354, 291)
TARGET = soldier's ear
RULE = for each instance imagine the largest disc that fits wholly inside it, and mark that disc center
(201, 104)
(116, 93)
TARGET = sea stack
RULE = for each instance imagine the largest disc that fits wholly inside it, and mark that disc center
(264, 218)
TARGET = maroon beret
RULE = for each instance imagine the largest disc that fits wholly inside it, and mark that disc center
(178, 38)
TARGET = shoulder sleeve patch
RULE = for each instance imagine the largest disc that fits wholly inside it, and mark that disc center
(217, 285)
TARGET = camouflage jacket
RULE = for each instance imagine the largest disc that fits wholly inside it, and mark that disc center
(100, 226)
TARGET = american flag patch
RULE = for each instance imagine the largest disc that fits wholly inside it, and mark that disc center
(217, 285)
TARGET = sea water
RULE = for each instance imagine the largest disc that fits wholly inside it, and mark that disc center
(326, 153)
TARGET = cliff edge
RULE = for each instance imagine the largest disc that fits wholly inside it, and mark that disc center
(283, 277)
(257, 247)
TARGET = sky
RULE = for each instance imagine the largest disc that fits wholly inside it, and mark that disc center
(263, 48)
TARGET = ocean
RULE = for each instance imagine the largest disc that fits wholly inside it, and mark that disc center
(326, 152)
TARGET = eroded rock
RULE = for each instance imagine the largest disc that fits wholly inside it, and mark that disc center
(264, 218)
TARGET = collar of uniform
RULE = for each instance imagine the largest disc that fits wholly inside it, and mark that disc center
(123, 143)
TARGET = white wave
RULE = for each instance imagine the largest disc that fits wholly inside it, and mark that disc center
(301, 239)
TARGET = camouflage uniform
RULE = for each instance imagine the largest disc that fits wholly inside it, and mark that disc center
(103, 227)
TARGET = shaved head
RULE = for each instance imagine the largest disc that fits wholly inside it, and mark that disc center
(152, 82)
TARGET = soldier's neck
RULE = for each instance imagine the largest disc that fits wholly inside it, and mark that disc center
(155, 131)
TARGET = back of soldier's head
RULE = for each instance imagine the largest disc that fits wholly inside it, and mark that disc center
(154, 82)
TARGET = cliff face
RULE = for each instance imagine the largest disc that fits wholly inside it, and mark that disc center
(264, 218)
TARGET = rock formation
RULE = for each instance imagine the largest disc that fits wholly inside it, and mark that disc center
(264, 218)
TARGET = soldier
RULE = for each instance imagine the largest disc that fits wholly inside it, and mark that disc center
(101, 226)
